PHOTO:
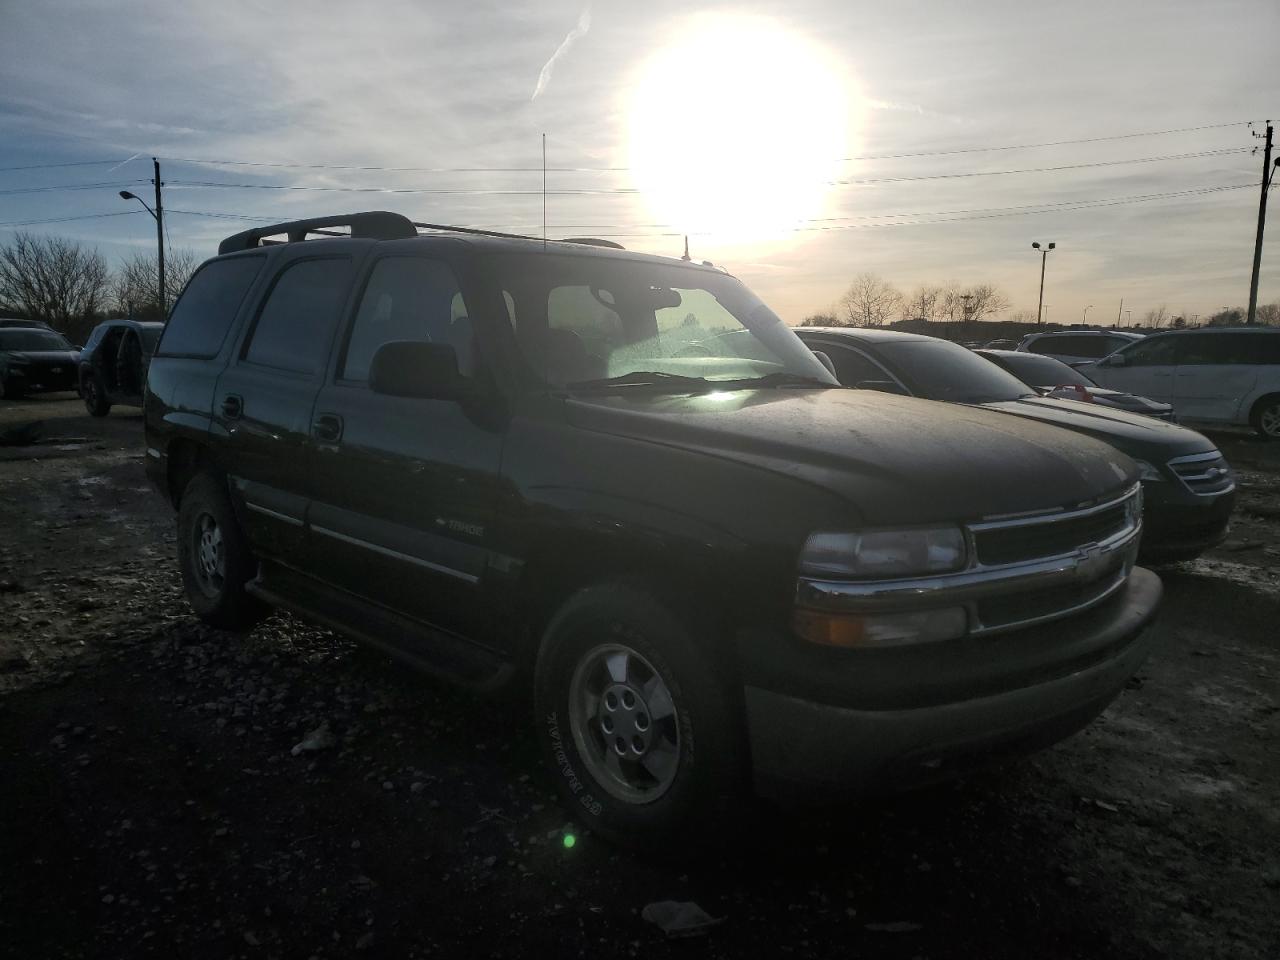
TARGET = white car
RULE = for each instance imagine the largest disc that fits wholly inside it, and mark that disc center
(1214, 375)
(1077, 346)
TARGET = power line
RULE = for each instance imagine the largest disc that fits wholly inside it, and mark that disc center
(409, 190)
(70, 163)
(70, 186)
(1071, 166)
(86, 216)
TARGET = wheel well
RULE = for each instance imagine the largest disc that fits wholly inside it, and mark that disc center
(186, 459)
(1260, 402)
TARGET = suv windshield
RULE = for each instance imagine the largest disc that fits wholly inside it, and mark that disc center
(591, 322)
(13, 339)
(947, 371)
(1043, 371)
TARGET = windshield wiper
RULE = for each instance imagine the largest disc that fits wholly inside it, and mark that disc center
(779, 379)
(643, 378)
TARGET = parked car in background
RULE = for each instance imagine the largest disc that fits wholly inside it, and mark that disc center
(1213, 375)
(1053, 378)
(1077, 346)
(35, 360)
(6, 322)
(114, 362)
(546, 464)
(1001, 345)
(1188, 488)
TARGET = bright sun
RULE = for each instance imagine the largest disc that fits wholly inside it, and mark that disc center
(737, 128)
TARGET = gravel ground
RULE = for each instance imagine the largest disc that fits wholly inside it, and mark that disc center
(154, 804)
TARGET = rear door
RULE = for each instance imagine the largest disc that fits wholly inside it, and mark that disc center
(406, 488)
(1217, 371)
(263, 400)
(1145, 369)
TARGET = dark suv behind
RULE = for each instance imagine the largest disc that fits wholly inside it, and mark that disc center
(623, 480)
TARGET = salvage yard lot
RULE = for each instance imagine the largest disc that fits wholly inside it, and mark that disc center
(153, 804)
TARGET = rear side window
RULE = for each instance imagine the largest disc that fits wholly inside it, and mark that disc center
(1066, 346)
(1155, 352)
(1232, 348)
(852, 367)
(293, 328)
(203, 314)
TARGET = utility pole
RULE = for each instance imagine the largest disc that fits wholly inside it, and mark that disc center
(1120, 311)
(1044, 252)
(1267, 174)
(164, 304)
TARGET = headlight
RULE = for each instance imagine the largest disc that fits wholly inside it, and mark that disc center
(883, 553)
(1147, 472)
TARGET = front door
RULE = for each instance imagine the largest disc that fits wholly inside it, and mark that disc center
(1145, 369)
(405, 488)
(264, 399)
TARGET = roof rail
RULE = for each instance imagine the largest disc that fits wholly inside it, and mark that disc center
(375, 225)
(474, 230)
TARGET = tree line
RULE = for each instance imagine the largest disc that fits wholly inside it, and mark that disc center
(871, 301)
(70, 287)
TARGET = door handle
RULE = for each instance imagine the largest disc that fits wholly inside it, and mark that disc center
(327, 427)
(232, 406)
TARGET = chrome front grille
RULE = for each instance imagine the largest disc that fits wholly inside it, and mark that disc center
(1207, 474)
(996, 545)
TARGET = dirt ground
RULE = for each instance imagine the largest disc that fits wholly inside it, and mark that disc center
(151, 803)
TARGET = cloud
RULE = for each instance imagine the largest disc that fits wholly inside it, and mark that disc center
(573, 36)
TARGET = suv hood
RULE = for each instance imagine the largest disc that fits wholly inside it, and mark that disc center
(1138, 436)
(893, 459)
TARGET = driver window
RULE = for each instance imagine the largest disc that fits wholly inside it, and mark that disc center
(408, 298)
(1157, 352)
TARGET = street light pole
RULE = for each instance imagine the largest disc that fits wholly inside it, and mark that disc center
(158, 216)
(1084, 317)
(1043, 254)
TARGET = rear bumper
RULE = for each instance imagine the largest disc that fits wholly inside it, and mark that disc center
(805, 750)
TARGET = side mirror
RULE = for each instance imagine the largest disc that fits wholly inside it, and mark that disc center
(884, 386)
(826, 362)
(428, 371)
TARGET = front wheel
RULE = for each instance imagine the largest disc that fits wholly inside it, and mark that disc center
(215, 559)
(640, 731)
(1266, 419)
(95, 398)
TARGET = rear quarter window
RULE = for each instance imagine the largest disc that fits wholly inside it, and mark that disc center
(208, 306)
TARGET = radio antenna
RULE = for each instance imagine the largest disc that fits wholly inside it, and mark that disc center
(544, 192)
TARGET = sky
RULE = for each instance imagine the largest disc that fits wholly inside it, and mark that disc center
(798, 144)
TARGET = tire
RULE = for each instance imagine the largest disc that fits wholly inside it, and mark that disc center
(672, 764)
(1266, 418)
(95, 398)
(215, 558)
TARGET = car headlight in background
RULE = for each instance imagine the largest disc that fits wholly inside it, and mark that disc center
(1148, 472)
(885, 553)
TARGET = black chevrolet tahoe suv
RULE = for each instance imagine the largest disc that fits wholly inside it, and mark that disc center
(622, 481)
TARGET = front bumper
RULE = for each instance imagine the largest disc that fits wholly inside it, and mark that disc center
(928, 722)
(1179, 523)
(40, 379)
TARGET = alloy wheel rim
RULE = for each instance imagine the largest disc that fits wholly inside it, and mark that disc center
(209, 554)
(624, 723)
(1270, 420)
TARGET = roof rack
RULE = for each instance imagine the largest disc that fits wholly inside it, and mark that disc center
(375, 225)
(594, 242)
(590, 241)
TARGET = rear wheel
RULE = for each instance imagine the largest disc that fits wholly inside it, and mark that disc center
(95, 398)
(639, 729)
(1266, 418)
(215, 559)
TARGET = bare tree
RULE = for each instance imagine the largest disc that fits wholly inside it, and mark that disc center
(1156, 317)
(1023, 316)
(984, 300)
(136, 286)
(52, 279)
(822, 318)
(923, 304)
(870, 301)
(1269, 314)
